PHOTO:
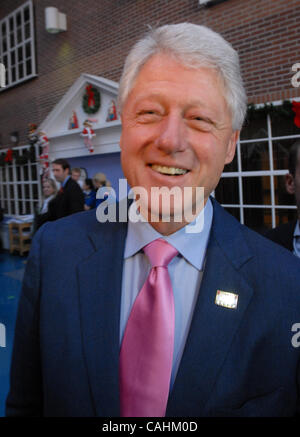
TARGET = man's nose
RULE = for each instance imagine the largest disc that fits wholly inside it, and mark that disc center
(172, 138)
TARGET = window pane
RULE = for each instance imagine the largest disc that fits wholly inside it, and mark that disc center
(19, 19)
(27, 208)
(11, 24)
(19, 191)
(256, 190)
(33, 171)
(13, 57)
(21, 71)
(235, 212)
(11, 190)
(227, 191)
(26, 14)
(27, 195)
(28, 67)
(13, 74)
(19, 35)
(20, 54)
(25, 172)
(281, 195)
(4, 28)
(255, 128)
(21, 207)
(35, 191)
(28, 50)
(4, 45)
(282, 126)
(258, 219)
(12, 205)
(255, 156)
(281, 153)
(27, 31)
(285, 216)
(12, 39)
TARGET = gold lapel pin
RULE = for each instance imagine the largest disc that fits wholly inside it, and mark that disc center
(226, 299)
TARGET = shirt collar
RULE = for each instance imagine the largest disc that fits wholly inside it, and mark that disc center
(191, 245)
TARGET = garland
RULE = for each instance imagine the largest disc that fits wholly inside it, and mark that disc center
(287, 110)
(91, 100)
(27, 156)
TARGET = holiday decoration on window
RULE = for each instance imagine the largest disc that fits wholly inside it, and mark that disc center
(20, 157)
(284, 110)
(112, 112)
(9, 156)
(91, 100)
(43, 142)
(73, 121)
(88, 133)
(296, 109)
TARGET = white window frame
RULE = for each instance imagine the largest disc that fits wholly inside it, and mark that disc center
(15, 184)
(239, 174)
(21, 45)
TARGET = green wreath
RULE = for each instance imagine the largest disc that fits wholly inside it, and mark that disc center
(91, 94)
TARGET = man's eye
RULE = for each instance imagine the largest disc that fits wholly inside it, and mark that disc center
(148, 115)
(200, 123)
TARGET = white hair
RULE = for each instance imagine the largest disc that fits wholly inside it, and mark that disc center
(194, 46)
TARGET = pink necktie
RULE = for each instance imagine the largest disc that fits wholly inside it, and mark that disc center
(147, 348)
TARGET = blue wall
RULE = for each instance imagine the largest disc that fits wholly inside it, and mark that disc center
(109, 164)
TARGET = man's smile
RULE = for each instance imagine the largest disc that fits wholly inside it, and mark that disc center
(168, 170)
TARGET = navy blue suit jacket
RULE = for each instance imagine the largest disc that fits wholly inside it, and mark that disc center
(236, 362)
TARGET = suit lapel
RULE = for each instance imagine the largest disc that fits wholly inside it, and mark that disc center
(212, 327)
(100, 278)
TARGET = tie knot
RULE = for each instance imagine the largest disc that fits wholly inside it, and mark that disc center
(160, 253)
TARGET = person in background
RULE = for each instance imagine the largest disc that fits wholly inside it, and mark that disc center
(44, 213)
(99, 181)
(89, 194)
(76, 173)
(70, 197)
(288, 234)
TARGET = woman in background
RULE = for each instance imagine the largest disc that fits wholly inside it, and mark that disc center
(43, 214)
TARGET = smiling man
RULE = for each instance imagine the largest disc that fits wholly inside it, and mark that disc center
(145, 318)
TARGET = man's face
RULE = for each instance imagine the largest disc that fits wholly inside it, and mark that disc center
(175, 119)
(75, 175)
(293, 183)
(59, 173)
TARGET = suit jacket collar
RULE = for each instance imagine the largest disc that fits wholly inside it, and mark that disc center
(212, 327)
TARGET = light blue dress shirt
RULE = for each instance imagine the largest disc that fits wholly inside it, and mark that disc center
(296, 240)
(185, 270)
(65, 181)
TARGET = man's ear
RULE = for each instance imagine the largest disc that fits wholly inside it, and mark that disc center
(290, 183)
(232, 146)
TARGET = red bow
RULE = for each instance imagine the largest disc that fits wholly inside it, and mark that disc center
(9, 156)
(91, 100)
(296, 109)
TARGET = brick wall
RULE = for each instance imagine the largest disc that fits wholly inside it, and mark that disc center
(100, 32)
